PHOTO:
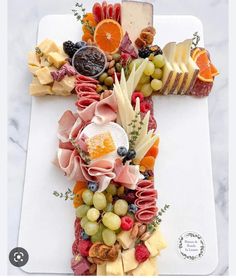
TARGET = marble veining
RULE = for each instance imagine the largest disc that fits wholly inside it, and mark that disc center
(22, 37)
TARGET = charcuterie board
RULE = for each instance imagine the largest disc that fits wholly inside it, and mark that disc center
(183, 171)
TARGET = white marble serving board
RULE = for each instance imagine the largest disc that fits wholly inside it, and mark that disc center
(183, 171)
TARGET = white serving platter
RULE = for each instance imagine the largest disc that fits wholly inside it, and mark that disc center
(183, 171)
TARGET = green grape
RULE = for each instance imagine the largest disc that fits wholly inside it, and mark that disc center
(102, 77)
(83, 221)
(109, 207)
(87, 197)
(112, 189)
(121, 207)
(149, 70)
(99, 200)
(159, 61)
(136, 63)
(118, 231)
(121, 191)
(109, 197)
(81, 211)
(109, 237)
(144, 79)
(157, 74)
(146, 90)
(111, 221)
(109, 81)
(93, 214)
(156, 84)
(98, 236)
(91, 228)
(139, 87)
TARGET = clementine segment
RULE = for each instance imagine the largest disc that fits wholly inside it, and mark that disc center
(108, 35)
(203, 62)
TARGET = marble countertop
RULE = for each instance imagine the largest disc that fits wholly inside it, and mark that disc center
(24, 16)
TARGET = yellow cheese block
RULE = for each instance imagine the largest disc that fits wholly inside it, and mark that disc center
(48, 46)
(33, 69)
(57, 59)
(68, 82)
(115, 268)
(39, 90)
(129, 261)
(155, 243)
(33, 59)
(44, 75)
(101, 270)
(146, 268)
(125, 240)
(153, 262)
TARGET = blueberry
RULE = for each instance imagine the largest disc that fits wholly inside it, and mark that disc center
(80, 44)
(130, 155)
(122, 151)
(84, 235)
(133, 208)
(93, 186)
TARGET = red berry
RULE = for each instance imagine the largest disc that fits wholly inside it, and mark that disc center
(126, 223)
(84, 246)
(75, 247)
(141, 253)
(137, 95)
(145, 107)
(130, 197)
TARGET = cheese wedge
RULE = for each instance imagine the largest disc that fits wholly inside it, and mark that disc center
(180, 59)
(101, 270)
(39, 90)
(125, 240)
(135, 16)
(146, 268)
(44, 75)
(192, 67)
(168, 71)
(169, 51)
(48, 46)
(155, 243)
(33, 59)
(129, 261)
(56, 59)
(115, 268)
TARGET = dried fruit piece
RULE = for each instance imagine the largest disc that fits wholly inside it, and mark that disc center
(148, 162)
(140, 43)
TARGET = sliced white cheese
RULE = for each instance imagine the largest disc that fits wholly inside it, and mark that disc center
(115, 268)
(124, 239)
(145, 269)
(136, 16)
(168, 72)
(129, 261)
(101, 270)
(155, 243)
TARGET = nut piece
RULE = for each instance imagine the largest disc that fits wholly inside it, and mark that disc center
(112, 64)
(105, 94)
(145, 236)
(142, 229)
(93, 269)
(150, 29)
(134, 232)
(111, 71)
(109, 58)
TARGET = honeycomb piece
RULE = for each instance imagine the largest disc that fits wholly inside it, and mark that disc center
(100, 145)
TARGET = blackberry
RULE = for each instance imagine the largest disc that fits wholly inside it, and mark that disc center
(144, 52)
(69, 48)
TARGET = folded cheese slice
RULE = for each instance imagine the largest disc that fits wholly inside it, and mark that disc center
(179, 58)
(192, 67)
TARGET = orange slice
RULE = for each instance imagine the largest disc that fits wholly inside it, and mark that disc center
(108, 35)
(195, 52)
(214, 70)
(204, 64)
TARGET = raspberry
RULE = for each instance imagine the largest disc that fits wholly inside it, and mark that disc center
(75, 247)
(77, 228)
(84, 246)
(136, 95)
(141, 253)
(145, 107)
(126, 223)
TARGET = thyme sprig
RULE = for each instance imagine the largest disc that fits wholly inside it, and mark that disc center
(157, 220)
(195, 41)
(136, 126)
(80, 14)
(82, 154)
(68, 195)
(38, 51)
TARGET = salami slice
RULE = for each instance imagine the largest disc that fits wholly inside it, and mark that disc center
(110, 11)
(117, 12)
(104, 9)
(85, 79)
(98, 12)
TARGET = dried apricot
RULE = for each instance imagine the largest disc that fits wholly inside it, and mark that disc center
(148, 162)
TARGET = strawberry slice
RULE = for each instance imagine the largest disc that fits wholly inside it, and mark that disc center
(110, 11)
(104, 8)
(117, 12)
(98, 12)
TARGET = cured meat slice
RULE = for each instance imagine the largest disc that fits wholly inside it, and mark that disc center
(104, 9)
(146, 215)
(98, 12)
(85, 79)
(117, 12)
(147, 194)
(110, 11)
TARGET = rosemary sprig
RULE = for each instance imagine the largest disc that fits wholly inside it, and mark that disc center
(156, 222)
(80, 13)
(83, 154)
(196, 39)
(135, 131)
(68, 195)
(38, 51)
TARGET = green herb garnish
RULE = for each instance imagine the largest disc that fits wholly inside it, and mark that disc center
(196, 39)
(135, 131)
(157, 220)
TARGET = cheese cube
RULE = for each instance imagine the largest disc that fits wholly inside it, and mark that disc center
(68, 82)
(35, 80)
(145, 269)
(33, 69)
(56, 59)
(59, 90)
(44, 76)
(153, 262)
(129, 261)
(39, 90)
(33, 59)
(135, 17)
(44, 61)
(115, 268)
(48, 46)
(124, 239)
(155, 243)
(101, 269)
